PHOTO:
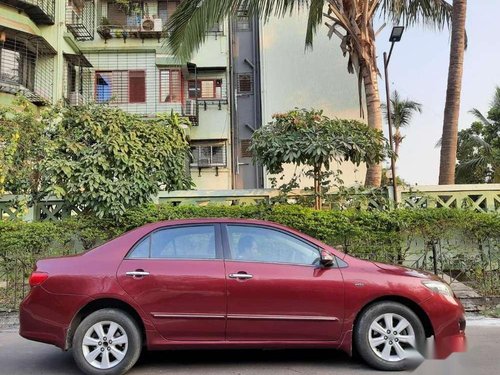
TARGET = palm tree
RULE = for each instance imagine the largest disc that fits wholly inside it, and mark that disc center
(350, 20)
(452, 107)
(401, 116)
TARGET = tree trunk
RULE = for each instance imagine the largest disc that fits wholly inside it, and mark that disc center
(373, 106)
(317, 187)
(449, 139)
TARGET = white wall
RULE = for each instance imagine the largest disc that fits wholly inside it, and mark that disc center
(295, 77)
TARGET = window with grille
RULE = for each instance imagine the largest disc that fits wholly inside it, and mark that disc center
(208, 154)
(121, 86)
(170, 86)
(245, 83)
(205, 89)
(17, 64)
(243, 21)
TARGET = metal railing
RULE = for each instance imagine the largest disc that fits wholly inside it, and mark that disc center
(40, 11)
(81, 21)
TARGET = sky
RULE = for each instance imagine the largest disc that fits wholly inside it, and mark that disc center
(419, 71)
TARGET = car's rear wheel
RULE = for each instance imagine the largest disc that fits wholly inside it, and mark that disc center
(389, 336)
(107, 341)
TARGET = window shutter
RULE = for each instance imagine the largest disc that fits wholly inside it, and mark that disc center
(137, 87)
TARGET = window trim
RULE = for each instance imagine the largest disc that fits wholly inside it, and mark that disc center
(160, 98)
(227, 249)
(219, 253)
(214, 93)
(117, 101)
(209, 143)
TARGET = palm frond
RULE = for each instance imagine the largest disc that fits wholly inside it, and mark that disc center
(469, 166)
(188, 26)
(475, 141)
(495, 103)
(412, 12)
(314, 19)
(477, 114)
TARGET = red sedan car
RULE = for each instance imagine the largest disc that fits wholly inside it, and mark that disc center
(225, 283)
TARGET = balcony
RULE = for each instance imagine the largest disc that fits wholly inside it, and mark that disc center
(26, 66)
(41, 12)
(80, 19)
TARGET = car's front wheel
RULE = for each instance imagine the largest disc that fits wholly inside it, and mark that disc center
(389, 336)
(107, 341)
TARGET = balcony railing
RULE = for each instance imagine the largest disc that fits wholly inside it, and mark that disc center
(25, 69)
(80, 20)
(42, 12)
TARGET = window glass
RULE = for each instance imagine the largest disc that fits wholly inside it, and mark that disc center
(103, 86)
(196, 242)
(141, 250)
(257, 244)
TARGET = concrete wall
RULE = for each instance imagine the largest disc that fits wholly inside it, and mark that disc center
(295, 77)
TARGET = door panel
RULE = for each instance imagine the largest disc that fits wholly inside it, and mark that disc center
(185, 298)
(284, 302)
(284, 295)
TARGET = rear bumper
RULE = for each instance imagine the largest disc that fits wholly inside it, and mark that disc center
(448, 321)
(46, 317)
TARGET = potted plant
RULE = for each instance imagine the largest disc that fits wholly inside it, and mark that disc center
(105, 29)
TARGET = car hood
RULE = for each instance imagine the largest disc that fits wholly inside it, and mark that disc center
(405, 271)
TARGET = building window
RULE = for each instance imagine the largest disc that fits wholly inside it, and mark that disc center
(121, 86)
(245, 83)
(137, 86)
(243, 21)
(205, 89)
(208, 154)
(17, 64)
(170, 86)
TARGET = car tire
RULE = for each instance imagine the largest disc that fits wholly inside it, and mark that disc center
(380, 345)
(107, 341)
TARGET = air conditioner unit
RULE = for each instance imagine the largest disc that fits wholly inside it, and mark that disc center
(75, 98)
(158, 24)
(147, 24)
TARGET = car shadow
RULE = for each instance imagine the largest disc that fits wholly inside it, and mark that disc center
(198, 359)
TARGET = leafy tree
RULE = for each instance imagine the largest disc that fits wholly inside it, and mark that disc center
(22, 148)
(105, 160)
(402, 111)
(307, 137)
(350, 20)
(479, 147)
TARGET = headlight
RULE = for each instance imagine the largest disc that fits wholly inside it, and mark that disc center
(438, 287)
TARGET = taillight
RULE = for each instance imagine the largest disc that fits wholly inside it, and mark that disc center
(37, 278)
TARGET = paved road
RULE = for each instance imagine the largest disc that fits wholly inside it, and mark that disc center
(19, 357)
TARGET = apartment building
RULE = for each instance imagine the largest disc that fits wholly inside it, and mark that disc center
(39, 57)
(115, 54)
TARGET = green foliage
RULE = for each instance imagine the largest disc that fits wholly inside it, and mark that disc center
(478, 153)
(307, 137)
(98, 158)
(24, 145)
(376, 235)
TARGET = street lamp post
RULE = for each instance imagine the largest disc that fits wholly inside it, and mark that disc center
(396, 34)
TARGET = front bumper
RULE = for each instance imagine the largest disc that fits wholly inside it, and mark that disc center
(447, 317)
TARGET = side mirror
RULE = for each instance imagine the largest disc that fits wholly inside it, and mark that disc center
(327, 259)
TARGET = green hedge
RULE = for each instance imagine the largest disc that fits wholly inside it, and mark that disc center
(370, 234)
(352, 230)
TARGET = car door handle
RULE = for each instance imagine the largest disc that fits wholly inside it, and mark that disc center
(240, 276)
(137, 273)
